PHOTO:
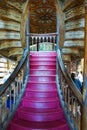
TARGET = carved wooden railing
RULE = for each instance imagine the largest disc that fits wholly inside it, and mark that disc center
(12, 91)
(71, 98)
(37, 40)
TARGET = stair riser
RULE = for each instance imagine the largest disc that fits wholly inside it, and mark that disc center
(41, 54)
(40, 117)
(40, 89)
(49, 105)
(43, 62)
(16, 127)
(41, 85)
(42, 78)
(42, 59)
(42, 67)
(41, 94)
(42, 72)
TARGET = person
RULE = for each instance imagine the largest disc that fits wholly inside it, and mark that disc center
(76, 81)
(80, 77)
(6, 76)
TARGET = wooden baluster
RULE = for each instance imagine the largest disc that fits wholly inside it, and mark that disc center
(53, 42)
(32, 42)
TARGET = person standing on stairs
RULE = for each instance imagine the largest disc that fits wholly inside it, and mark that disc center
(76, 81)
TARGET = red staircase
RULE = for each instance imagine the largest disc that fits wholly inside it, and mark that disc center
(40, 107)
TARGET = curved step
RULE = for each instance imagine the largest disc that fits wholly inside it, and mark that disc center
(40, 103)
(39, 85)
(41, 89)
(40, 54)
(41, 58)
(42, 67)
(39, 116)
(41, 110)
(27, 125)
(42, 72)
(41, 94)
(43, 62)
(42, 78)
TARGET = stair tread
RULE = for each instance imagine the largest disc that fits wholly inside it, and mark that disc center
(40, 110)
(42, 82)
(41, 89)
(37, 99)
(40, 125)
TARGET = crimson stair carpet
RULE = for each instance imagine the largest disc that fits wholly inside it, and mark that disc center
(40, 107)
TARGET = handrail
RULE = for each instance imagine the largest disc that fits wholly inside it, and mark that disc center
(70, 96)
(16, 70)
(68, 78)
(12, 90)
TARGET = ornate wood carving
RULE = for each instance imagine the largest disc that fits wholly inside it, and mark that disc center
(9, 35)
(74, 43)
(9, 44)
(9, 25)
(15, 51)
(42, 16)
(76, 11)
(74, 35)
(70, 51)
(75, 24)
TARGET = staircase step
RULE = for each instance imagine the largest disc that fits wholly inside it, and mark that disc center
(42, 78)
(40, 104)
(41, 94)
(43, 59)
(29, 125)
(42, 67)
(40, 116)
(39, 85)
(42, 62)
(40, 89)
(42, 72)
(40, 110)
(47, 54)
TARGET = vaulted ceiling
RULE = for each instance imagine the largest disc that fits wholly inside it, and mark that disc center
(42, 16)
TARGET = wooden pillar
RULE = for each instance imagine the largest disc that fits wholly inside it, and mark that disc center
(84, 106)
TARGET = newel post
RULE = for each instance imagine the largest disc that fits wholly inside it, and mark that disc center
(84, 106)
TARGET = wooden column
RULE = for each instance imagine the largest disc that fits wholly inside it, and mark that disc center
(84, 106)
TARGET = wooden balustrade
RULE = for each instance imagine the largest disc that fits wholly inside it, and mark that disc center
(37, 39)
(70, 96)
(12, 91)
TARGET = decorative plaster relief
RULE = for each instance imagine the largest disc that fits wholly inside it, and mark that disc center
(75, 24)
(75, 43)
(74, 35)
(76, 11)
